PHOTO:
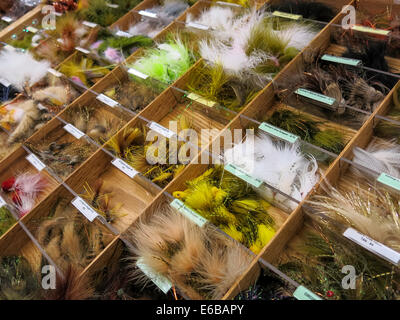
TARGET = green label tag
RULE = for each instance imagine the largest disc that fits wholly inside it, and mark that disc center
(316, 96)
(341, 60)
(188, 213)
(238, 172)
(287, 15)
(371, 30)
(279, 133)
(389, 181)
(197, 98)
(159, 280)
(302, 293)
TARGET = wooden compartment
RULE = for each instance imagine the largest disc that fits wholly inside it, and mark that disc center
(120, 197)
(59, 149)
(95, 118)
(65, 234)
(14, 166)
(149, 26)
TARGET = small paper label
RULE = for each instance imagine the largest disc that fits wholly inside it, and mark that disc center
(197, 98)
(112, 5)
(73, 131)
(279, 133)
(229, 4)
(161, 130)
(316, 96)
(390, 181)
(59, 40)
(158, 279)
(32, 29)
(147, 14)
(341, 60)
(54, 72)
(138, 73)
(41, 106)
(125, 168)
(371, 30)
(197, 26)
(287, 15)
(39, 165)
(58, 14)
(302, 293)
(7, 19)
(108, 101)
(82, 50)
(188, 213)
(238, 172)
(5, 82)
(89, 24)
(124, 34)
(2, 202)
(84, 208)
(372, 245)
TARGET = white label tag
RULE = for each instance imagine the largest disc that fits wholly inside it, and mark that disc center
(39, 165)
(125, 168)
(7, 19)
(32, 29)
(82, 50)
(89, 24)
(84, 208)
(147, 14)
(108, 101)
(124, 34)
(372, 245)
(138, 73)
(159, 280)
(2, 202)
(229, 4)
(161, 130)
(112, 5)
(5, 82)
(41, 107)
(54, 72)
(197, 26)
(58, 14)
(59, 40)
(73, 131)
(188, 213)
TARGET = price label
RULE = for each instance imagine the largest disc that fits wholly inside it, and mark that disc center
(188, 213)
(287, 15)
(197, 26)
(238, 172)
(84, 208)
(159, 280)
(2, 202)
(7, 19)
(54, 72)
(108, 101)
(372, 245)
(89, 24)
(112, 5)
(124, 34)
(5, 82)
(390, 181)
(32, 29)
(148, 14)
(371, 30)
(279, 133)
(223, 3)
(138, 73)
(316, 96)
(341, 60)
(197, 98)
(39, 165)
(302, 293)
(82, 50)
(125, 168)
(161, 130)
(73, 131)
